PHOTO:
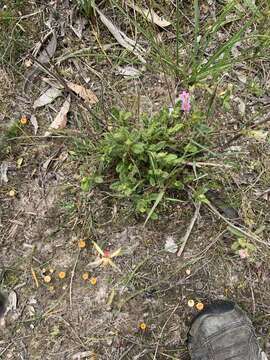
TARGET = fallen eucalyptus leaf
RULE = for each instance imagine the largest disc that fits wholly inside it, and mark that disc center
(47, 53)
(12, 301)
(3, 172)
(47, 97)
(33, 121)
(150, 15)
(43, 58)
(122, 38)
(86, 94)
(128, 71)
(60, 121)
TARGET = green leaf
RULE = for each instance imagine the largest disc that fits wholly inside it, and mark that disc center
(191, 149)
(175, 129)
(157, 147)
(235, 232)
(170, 159)
(138, 148)
(178, 185)
(86, 183)
(158, 200)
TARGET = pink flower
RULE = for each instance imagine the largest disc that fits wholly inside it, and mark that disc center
(243, 253)
(185, 99)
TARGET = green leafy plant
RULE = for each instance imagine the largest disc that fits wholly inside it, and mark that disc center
(243, 244)
(145, 159)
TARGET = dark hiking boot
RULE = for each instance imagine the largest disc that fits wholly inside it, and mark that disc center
(223, 332)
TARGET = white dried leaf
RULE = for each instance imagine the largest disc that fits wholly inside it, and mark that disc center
(170, 245)
(33, 121)
(3, 172)
(83, 355)
(122, 38)
(241, 106)
(48, 52)
(150, 15)
(128, 71)
(12, 301)
(47, 97)
(60, 121)
(86, 94)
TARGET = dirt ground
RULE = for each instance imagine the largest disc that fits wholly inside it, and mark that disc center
(139, 308)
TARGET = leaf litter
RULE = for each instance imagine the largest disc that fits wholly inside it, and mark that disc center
(60, 121)
(86, 94)
(33, 121)
(150, 15)
(43, 57)
(47, 97)
(122, 38)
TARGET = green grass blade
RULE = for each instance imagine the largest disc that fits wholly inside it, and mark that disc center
(158, 200)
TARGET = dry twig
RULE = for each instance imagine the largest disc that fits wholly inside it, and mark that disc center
(189, 229)
(71, 279)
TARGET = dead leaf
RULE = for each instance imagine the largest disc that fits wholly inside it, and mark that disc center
(84, 354)
(170, 245)
(33, 121)
(3, 172)
(122, 38)
(241, 105)
(150, 15)
(44, 57)
(48, 52)
(60, 121)
(128, 71)
(86, 94)
(12, 301)
(47, 97)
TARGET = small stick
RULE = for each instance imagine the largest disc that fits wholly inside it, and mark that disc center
(201, 163)
(189, 229)
(34, 277)
(71, 280)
